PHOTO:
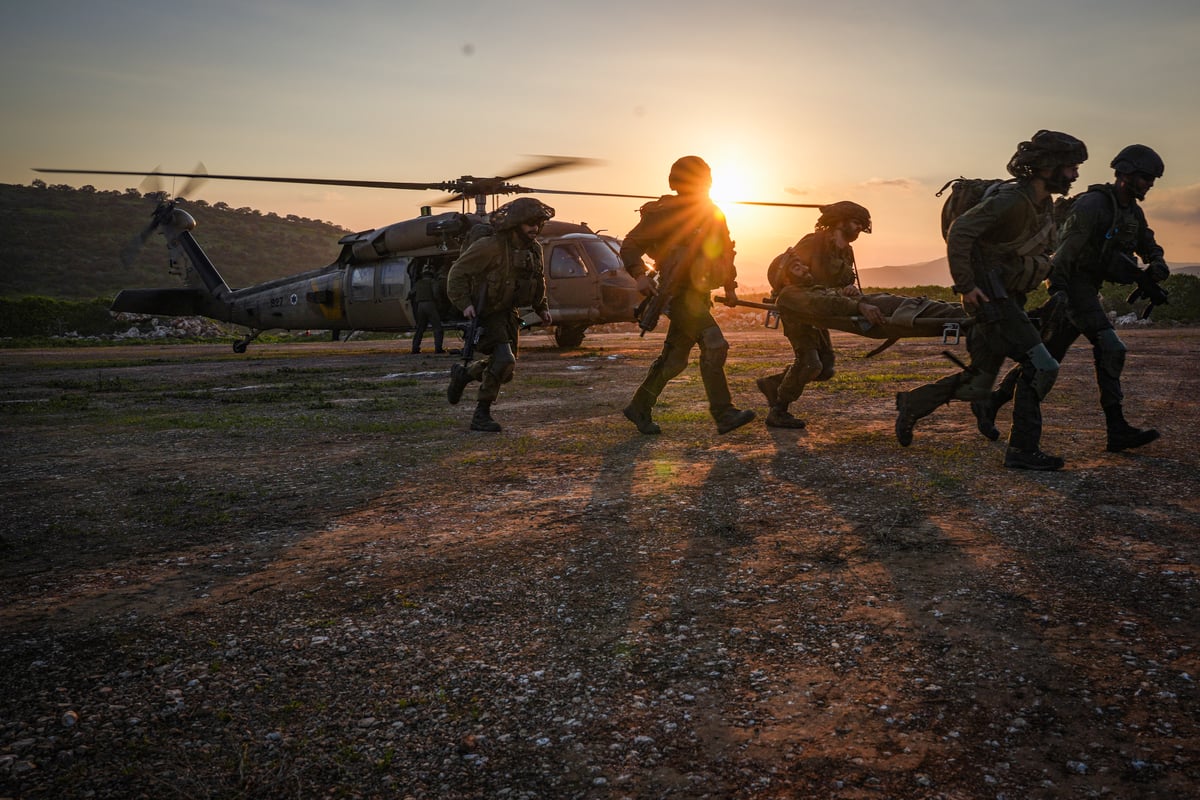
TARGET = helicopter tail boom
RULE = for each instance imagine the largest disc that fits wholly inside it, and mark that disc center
(164, 302)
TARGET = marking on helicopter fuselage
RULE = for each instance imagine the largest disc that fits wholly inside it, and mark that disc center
(332, 310)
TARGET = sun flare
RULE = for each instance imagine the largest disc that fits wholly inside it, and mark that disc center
(729, 185)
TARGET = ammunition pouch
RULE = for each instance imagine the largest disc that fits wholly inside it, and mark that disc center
(523, 295)
(1033, 266)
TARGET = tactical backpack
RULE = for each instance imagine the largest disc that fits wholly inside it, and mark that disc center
(965, 193)
(777, 271)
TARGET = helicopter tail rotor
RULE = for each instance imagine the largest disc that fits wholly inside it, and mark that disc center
(152, 186)
(162, 212)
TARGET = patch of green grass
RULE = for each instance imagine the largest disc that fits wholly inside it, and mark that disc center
(548, 381)
(873, 384)
(400, 426)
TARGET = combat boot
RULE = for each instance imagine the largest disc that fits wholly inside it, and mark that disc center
(638, 412)
(1122, 435)
(985, 418)
(482, 420)
(1015, 458)
(732, 419)
(769, 386)
(906, 420)
(458, 381)
(780, 417)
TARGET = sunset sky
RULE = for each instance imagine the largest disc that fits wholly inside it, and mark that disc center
(789, 100)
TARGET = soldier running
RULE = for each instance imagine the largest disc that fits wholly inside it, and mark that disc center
(509, 264)
(997, 252)
(686, 235)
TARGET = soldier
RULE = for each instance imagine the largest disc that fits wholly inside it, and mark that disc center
(821, 268)
(686, 235)
(507, 267)
(998, 252)
(423, 298)
(1103, 230)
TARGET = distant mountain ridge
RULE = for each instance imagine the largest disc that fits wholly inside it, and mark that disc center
(937, 273)
(925, 273)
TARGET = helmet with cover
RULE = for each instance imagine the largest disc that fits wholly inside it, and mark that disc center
(1046, 149)
(844, 210)
(522, 211)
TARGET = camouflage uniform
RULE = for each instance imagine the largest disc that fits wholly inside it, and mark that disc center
(1002, 240)
(830, 269)
(514, 279)
(1088, 253)
(689, 230)
(425, 311)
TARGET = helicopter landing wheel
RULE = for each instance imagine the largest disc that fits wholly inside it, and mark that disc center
(569, 336)
(240, 345)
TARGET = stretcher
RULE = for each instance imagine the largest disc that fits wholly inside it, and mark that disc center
(907, 318)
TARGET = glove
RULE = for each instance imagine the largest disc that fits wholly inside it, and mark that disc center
(1158, 271)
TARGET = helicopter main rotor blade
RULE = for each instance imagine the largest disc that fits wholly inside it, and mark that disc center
(550, 163)
(464, 187)
(527, 190)
(262, 178)
(777, 205)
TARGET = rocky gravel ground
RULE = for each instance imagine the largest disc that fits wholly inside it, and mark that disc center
(295, 573)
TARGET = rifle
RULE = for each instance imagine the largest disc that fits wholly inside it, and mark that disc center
(474, 329)
(670, 276)
(1146, 288)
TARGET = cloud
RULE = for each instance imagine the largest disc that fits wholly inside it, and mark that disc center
(898, 183)
(797, 192)
(1181, 205)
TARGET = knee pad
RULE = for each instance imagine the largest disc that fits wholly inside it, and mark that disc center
(503, 363)
(808, 367)
(1109, 352)
(713, 347)
(1045, 370)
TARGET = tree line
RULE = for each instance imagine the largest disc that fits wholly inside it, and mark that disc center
(62, 242)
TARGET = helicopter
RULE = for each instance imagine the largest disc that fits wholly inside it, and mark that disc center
(367, 287)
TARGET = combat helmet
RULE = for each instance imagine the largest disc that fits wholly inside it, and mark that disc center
(689, 175)
(1138, 158)
(841, 211)
(1046, 149)
(522, 211)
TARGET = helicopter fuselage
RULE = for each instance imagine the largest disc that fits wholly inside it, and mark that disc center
(368, 287)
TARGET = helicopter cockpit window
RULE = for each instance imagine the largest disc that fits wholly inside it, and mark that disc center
(393, 279)
(603, 257)
(565, 262)
(362, 283)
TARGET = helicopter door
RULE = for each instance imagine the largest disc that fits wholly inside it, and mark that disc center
(570, 283)
(378, 295)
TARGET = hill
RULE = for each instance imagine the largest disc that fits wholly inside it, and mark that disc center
(925, 273)
(62, 242)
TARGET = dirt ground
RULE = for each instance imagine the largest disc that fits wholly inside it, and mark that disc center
(295, 573)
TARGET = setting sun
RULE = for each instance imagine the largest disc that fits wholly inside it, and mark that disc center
(730, 184)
